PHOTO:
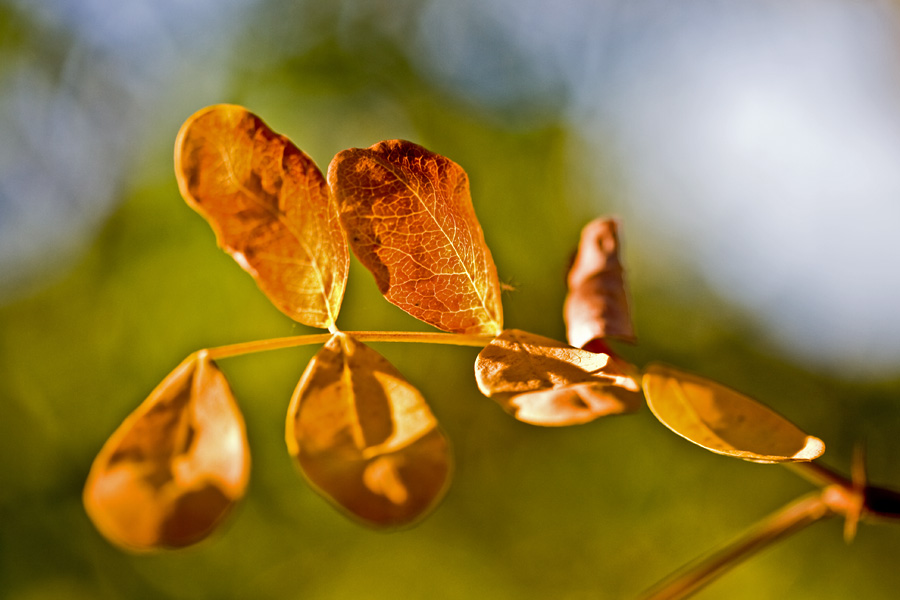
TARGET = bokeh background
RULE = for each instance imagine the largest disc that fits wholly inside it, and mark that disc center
(751, 150)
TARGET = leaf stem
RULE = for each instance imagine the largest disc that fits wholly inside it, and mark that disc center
(789, 519)
(422, 337)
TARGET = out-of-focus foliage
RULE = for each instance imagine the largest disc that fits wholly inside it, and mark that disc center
(600, 510)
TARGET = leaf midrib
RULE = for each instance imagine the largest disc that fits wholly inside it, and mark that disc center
(280, 217)
(390, 168)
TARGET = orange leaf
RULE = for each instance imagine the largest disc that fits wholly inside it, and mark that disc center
(365, 438)
(175, 467)
(269, 206)
(724, 421)
(597, 304)
(410, 219)
(545, 382)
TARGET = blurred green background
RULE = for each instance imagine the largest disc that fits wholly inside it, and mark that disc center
(109, 281)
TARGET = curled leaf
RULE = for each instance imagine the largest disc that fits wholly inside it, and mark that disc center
(545, 382)
(269, 206)
(175, 467)
(410, 221)
(724, 421)
(596, 306)
(365, 438)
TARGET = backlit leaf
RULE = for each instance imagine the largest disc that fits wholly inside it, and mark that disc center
(596, 306)
(365, 438)
(270, 208)
(724, 421)
(410, 221)
(175, 467)
(545, 382)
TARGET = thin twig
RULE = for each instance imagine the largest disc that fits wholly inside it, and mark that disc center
(423, 337)
(817, 474)
(789, 519)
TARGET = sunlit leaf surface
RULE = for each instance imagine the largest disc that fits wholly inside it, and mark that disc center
(269, 206)
(176, 465)
(723, 420)
(546, 382)
(410, 220)
(365, 438)
(596, 306)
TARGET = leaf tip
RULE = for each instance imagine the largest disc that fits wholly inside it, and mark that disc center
(812, 449)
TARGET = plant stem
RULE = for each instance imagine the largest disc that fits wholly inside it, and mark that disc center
(791, 518)
(422, 337)
(818, 474)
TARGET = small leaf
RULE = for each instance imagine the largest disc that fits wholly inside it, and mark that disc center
(545, 382)
(596, 306)
(411, 222)
(269, 206)
(175, 467)
(365, 438)
(724, 421)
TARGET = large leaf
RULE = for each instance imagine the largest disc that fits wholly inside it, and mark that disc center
(176, 465)
(596, 306)
(269, 206)
(545, 382)
(724, 421)
(365, 438)
(410, 220)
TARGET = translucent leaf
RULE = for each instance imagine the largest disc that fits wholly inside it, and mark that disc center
(410, 220)
(175, 467)
(269, 206)
(724, 421)
(365, 438)
(596, 306)
(545, 382)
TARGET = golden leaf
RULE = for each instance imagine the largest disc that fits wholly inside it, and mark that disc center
(411, 222)
(545, 382)
(724, 421)
(365, 438)
(596, 306)
(270, 209)
(175, 467)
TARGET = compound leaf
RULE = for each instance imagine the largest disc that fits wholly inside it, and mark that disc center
(175, 467)
(410, 221)
(723, 420)
(269, 206)
(596, 306)
(545, 382)
(364, 436)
